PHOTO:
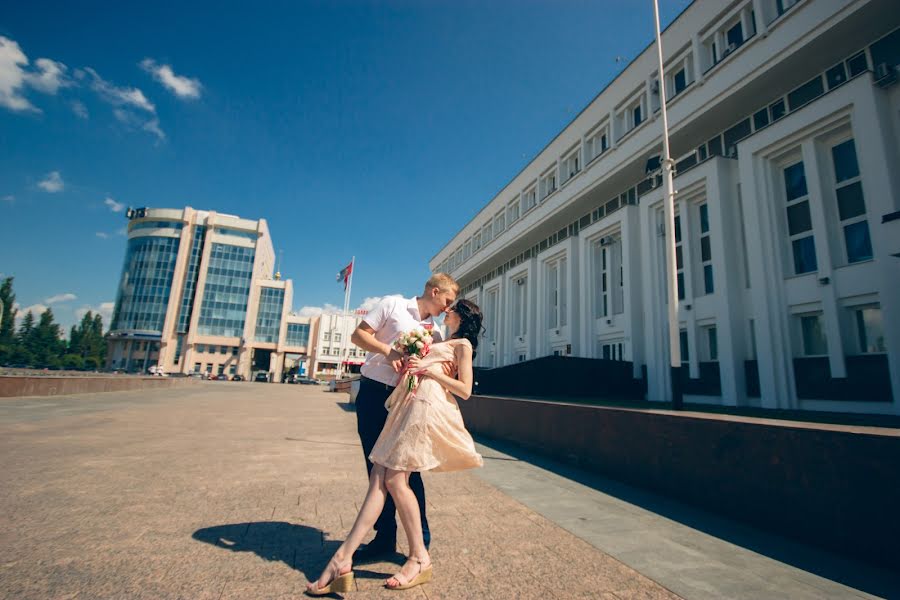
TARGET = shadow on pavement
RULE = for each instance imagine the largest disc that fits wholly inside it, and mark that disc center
(861, 576)
(300, 547)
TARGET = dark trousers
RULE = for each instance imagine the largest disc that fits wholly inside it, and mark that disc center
(370, 417)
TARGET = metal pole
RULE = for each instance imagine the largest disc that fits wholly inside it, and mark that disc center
(345, 315)
(668, 167)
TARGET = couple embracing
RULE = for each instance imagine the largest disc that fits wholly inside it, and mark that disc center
(405, 431)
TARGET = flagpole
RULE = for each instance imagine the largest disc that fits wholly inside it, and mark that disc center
(668, 166)
(345, 314)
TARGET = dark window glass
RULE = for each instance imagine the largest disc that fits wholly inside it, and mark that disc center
(807, 92)
(760, 119)
(704, 218)
(680, 81)
(735, 134)
(713, 343)
(798, 218)
(679, 261)
(702, 153)
(715, 146)
(735, 35)
(705, 252)
(677, 228)
(708, 279)
(637, 115)
(777, 108)
(858, 64)
(683, 342)
(886, 50)
(845, 164)
(859, 246)
(804, 255)
(795, 181)
(850, 201)
(835, 76)
(681, 286)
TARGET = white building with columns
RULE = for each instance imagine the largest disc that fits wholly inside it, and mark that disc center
(784, 121)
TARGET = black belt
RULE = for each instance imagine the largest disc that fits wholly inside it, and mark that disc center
(375, 383)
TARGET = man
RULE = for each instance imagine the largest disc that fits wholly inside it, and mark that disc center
(380, 375)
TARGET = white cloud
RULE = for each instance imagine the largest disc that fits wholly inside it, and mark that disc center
(372, 301)
(50, 76)
(102, 235)
(152, 126)
(105, 310)
(47, 77)
(113, 205)
(67, 297)
(367, 305)
(183, 87)
(12, 76)
(135, 121)
(119, 96)
(122, 231)
(9, 198)
(35, 309)
(79, 109)
(52, 182)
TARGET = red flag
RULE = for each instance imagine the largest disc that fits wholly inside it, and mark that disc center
(344, 275)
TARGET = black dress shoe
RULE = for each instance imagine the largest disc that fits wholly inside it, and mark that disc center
(375, 550)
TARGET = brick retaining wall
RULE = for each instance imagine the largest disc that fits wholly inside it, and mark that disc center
(831, 485)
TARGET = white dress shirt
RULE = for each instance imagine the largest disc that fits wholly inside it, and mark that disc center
(391, 317)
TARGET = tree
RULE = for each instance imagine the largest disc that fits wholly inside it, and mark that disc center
(22, 351)
(47, 345)
(7, 320)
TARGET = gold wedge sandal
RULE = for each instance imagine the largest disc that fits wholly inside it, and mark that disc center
(424, 576)
(341, 583)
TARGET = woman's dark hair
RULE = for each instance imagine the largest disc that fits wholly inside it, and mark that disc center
(470, 318)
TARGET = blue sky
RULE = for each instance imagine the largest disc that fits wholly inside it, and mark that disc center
(374, 129)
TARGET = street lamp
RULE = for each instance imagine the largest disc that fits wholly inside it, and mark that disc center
(668, 167)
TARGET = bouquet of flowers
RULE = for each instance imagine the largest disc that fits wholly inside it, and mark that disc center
(414, 343)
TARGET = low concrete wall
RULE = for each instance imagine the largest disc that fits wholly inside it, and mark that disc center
(829, 485)
(63, 386)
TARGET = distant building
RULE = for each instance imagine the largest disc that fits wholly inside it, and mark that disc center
(198, 294)
(331, 345)
(784, 124)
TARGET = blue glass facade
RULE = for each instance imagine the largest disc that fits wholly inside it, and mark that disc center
(145, 285)
(227, 291)
(190, 279)
(249, 235)
(297, 334)
(156, 225)
(268, 319)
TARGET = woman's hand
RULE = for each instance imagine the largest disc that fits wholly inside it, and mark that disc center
(413, 363)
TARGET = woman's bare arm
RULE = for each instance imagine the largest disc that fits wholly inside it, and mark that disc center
(461, 386)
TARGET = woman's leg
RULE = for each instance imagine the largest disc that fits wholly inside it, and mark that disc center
(397, 483)
(365, 519)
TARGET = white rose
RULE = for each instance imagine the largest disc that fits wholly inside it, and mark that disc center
(420, 344)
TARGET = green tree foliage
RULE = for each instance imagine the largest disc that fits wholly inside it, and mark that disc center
(39, 341)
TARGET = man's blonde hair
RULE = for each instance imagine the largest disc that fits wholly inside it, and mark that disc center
(443, 282)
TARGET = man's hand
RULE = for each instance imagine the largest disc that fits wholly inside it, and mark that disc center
(395, 359)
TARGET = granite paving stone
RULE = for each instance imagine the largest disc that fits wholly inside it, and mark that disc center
(244, 490)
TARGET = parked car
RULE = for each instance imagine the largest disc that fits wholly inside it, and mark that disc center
(237, 378)
(219, 377)
(262, 376)
(308, 381)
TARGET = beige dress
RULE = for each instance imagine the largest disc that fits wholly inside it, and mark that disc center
(424, 430)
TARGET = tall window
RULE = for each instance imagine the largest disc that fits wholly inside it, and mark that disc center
(557, 302)
(705, 250)
(512, 212)
(476, 242)
(799, 221)
(268, 318)
(850, 203)
(490, 316)
(487, 233)
(710, 339)
(597, 143)
(869, 328)
(812, 332)
(520, 306)
(601, 280)
(529, 199)
(679, 257)
(499, 223)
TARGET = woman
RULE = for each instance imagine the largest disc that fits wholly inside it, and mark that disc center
(424, 432)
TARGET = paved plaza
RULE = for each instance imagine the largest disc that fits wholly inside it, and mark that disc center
(242, 490)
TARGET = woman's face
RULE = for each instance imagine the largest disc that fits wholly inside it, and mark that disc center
(451, 321)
